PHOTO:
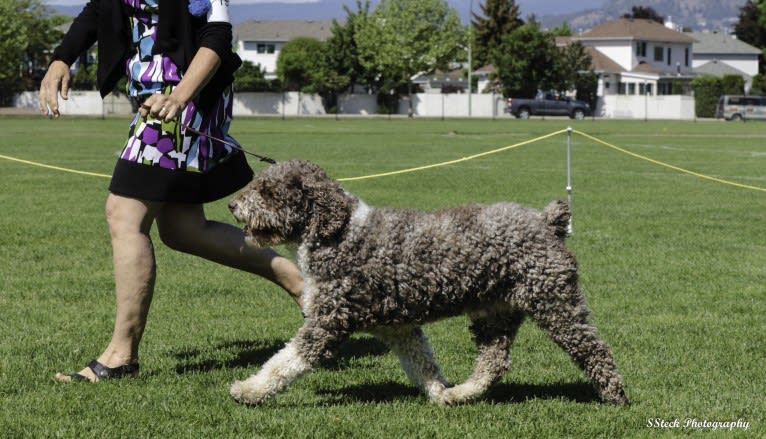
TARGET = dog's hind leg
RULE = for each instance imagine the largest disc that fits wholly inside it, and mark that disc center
(567, 324)
(311, 344)
(416, 356)
(493, 335)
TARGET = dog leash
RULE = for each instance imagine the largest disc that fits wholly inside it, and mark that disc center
(233, 145)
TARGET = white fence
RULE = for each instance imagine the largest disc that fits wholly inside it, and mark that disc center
(423, 105)
(82, 103)
(646, 107)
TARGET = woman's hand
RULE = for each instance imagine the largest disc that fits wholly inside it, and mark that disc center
(162, 107)
(56, 80)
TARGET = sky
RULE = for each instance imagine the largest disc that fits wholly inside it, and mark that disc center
(537, 7)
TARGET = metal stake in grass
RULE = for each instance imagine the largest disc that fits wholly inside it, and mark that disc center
(569, 178)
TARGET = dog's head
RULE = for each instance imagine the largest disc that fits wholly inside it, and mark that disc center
(292, 201)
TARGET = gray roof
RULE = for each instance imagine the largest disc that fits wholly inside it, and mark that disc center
(719, 69)
(634, 29)
(283, 30)
(720, 43)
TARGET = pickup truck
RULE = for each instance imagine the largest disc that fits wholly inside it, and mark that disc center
(548, 104)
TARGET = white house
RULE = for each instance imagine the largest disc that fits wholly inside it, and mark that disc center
(721, 54)
(644, 69)
(261, 41)
(638, 57)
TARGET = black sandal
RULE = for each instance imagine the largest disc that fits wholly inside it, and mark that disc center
(106, 373)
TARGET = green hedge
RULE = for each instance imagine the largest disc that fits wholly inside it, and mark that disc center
(707, 90)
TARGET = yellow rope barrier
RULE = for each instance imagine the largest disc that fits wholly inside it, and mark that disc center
(667, 165)
(471, 157)
(451, 162)
(57, 168)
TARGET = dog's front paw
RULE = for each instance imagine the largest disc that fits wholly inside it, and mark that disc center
(459, 394)
(249, 392)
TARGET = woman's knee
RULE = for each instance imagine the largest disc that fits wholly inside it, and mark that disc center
(127, 216)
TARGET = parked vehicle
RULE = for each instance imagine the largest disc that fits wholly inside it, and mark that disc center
(732, 107)
(548, 103)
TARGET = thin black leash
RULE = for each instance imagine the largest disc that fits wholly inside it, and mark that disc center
(262, 158)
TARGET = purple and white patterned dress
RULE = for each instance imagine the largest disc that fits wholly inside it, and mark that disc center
(163, 161)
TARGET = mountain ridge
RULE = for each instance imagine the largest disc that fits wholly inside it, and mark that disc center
(697, 15)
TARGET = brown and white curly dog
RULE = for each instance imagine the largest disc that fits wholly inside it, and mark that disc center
(388, 271)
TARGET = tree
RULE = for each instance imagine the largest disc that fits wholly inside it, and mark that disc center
(525, 61)
(341, 68)
(570, 64)
(251, 77)
(299, 61)
(13, 42)
(499, 18)
(562, 30)
(644, 12)
(758, 86)
(27, 33)
(707, 89)
(42, 31)
(732, 85)
(342, 51)
(751, 27)
(402, 38)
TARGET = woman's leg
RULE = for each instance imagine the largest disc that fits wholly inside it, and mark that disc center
(183, 227)
(130, 221)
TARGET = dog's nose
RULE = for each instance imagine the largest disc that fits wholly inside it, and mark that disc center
(232, 205)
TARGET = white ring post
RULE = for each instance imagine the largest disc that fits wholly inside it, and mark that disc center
(569, 178)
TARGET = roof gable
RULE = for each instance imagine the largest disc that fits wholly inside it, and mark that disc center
(636, 29)
(719, 69)
(602, 63)
(721, 43)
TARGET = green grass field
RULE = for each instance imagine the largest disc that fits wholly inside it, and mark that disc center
(673, 266)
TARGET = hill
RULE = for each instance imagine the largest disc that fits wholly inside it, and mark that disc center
(698, 15)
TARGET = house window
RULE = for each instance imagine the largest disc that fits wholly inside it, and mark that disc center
(686, 57)
(669, 52)
(658, 52)
(621, 88)
(641, 48)
(265, 48)
(631, 88)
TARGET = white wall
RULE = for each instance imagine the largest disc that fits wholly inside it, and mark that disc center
(454, 105)
(677, 107)
(747, 65)
(288, 104)
(424, 105)
(80, 103)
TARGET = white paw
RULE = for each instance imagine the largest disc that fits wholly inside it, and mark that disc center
(459, 394)
(249, 391)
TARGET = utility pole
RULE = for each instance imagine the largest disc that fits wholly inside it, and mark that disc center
(470, 55)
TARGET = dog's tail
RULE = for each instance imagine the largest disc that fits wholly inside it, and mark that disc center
(557, 216)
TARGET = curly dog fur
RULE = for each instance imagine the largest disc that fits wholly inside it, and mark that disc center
(388, 271)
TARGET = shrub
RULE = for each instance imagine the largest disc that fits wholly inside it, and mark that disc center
(707, 90)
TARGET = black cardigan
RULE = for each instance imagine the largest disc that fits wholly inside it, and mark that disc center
(179, 36)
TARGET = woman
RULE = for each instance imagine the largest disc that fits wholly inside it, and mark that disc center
(179, 63)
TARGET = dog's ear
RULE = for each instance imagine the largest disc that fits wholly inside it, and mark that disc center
(331, 206)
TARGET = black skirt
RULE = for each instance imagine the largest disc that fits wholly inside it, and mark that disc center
(154, 183)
